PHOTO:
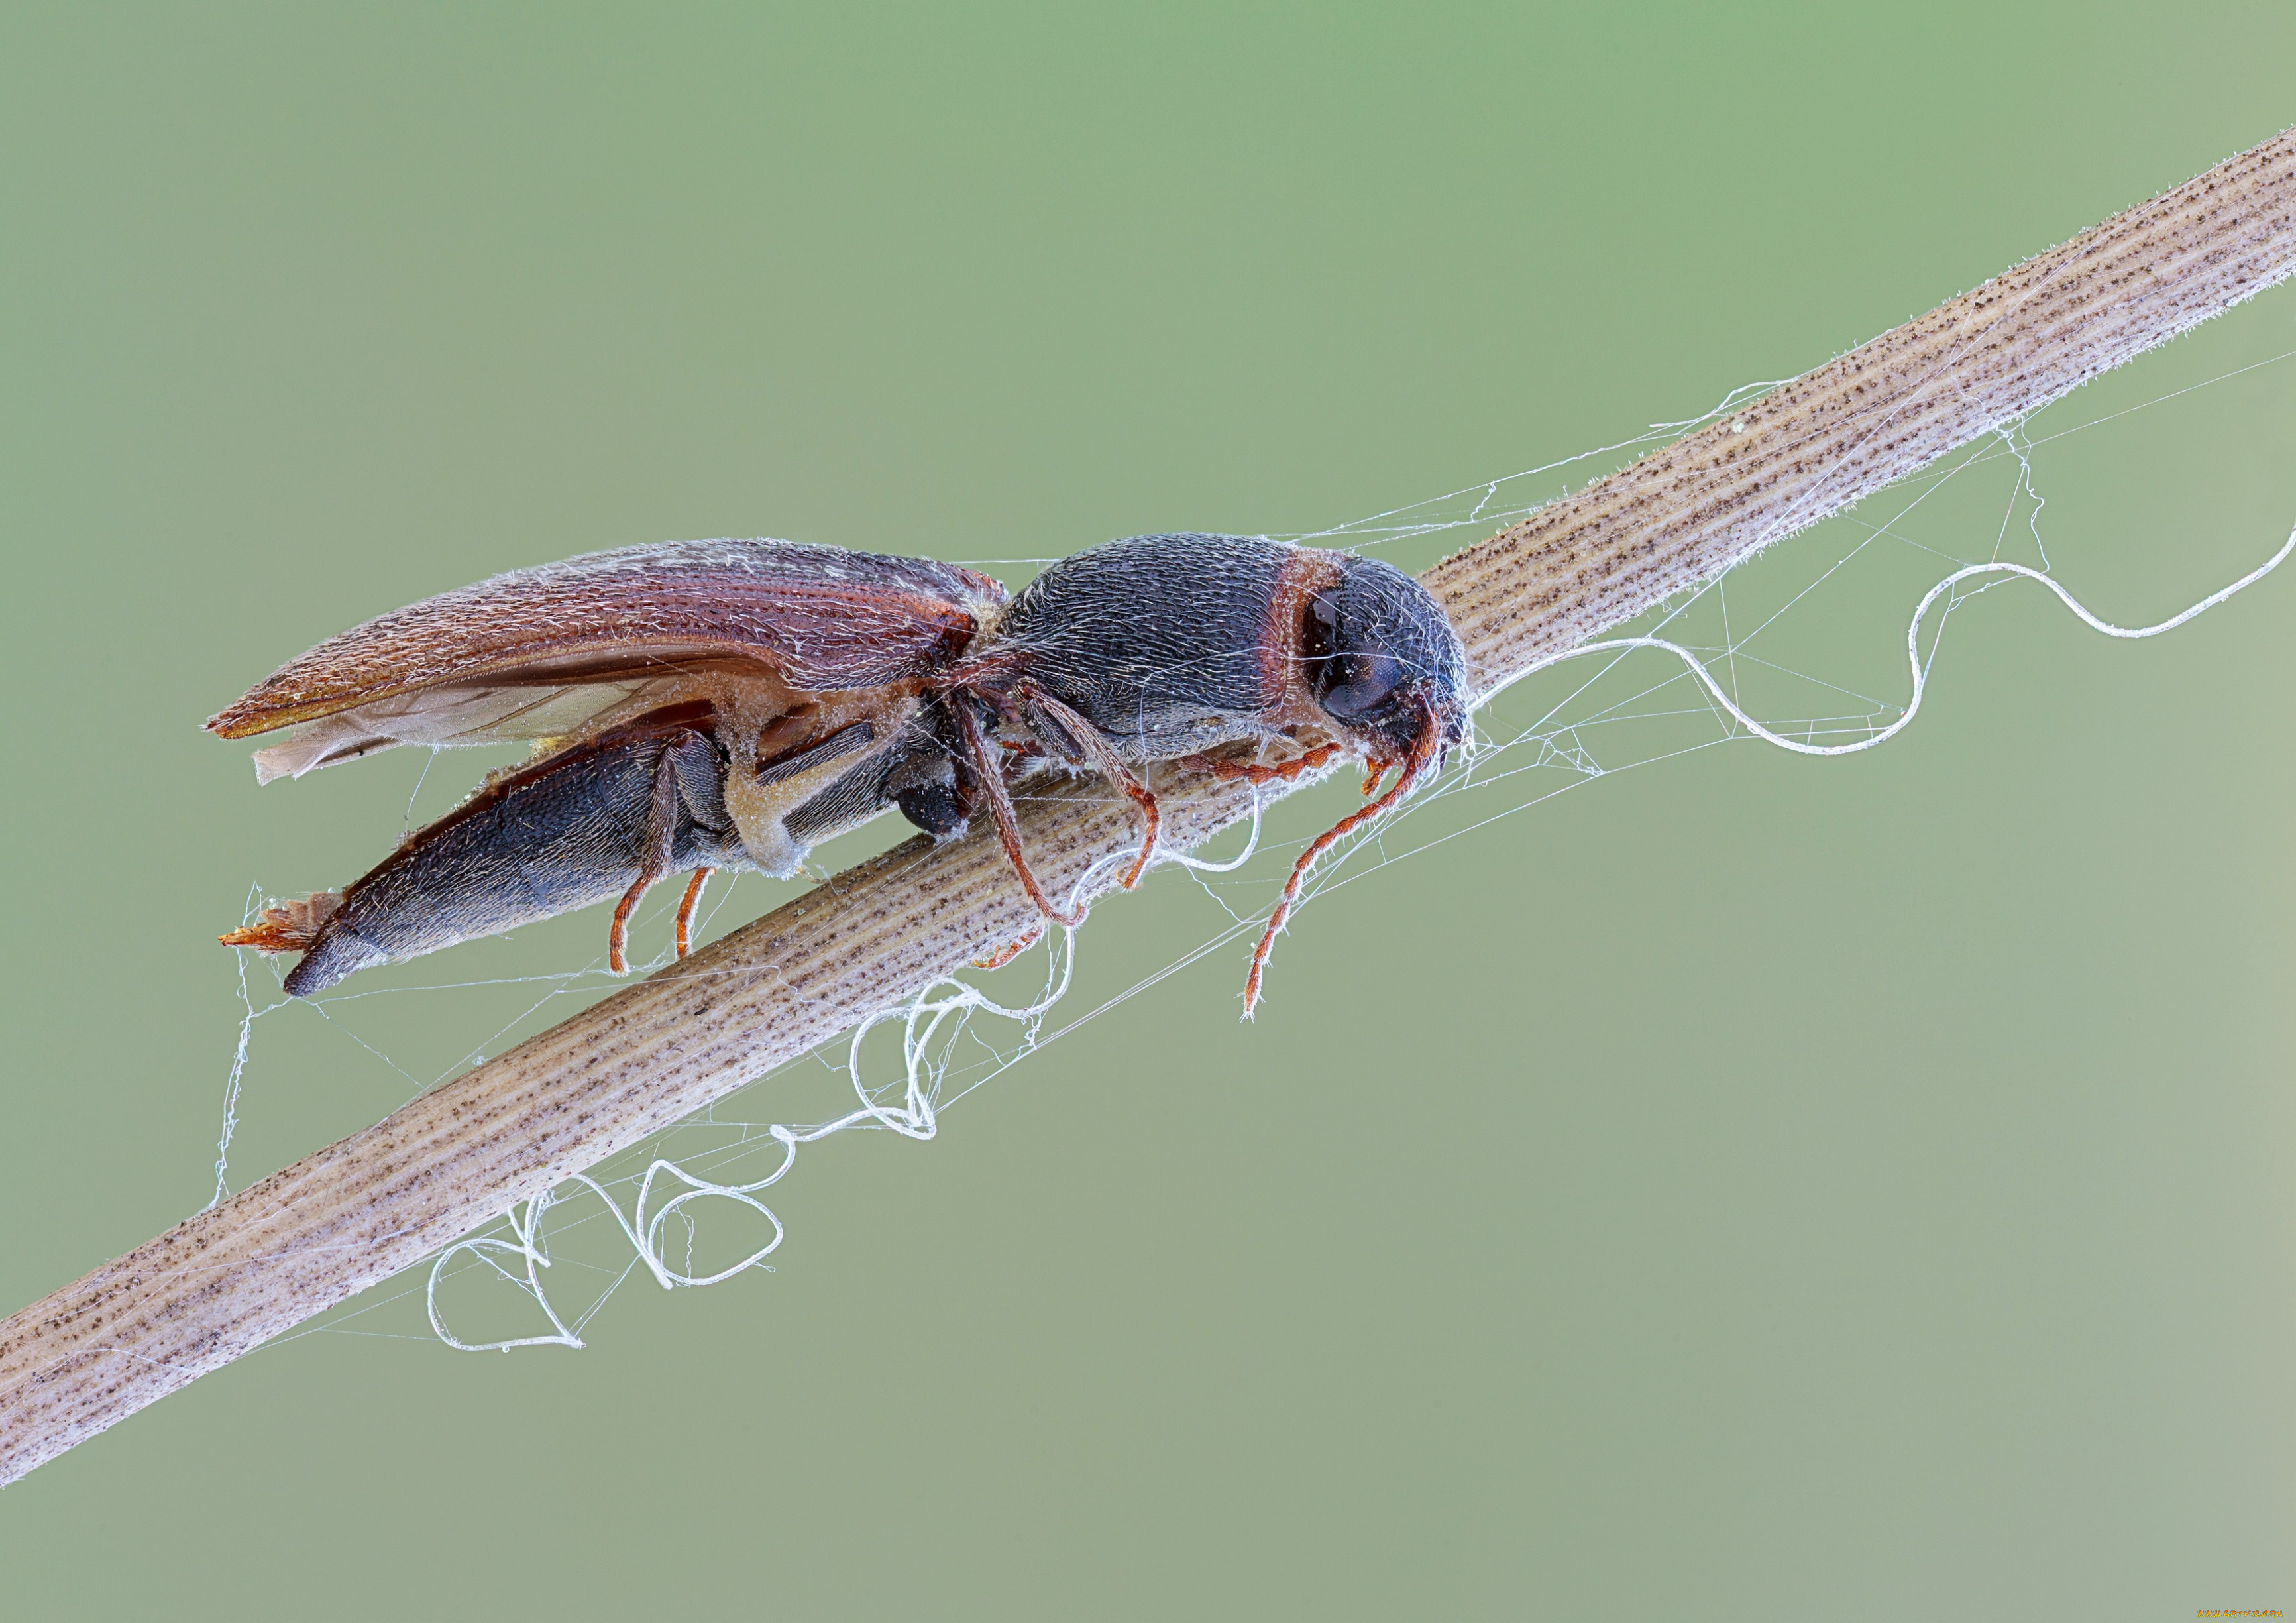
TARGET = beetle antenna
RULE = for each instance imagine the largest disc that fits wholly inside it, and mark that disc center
(1000, 803)
(1423, 751)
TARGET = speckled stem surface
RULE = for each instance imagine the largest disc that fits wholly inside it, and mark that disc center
(359, 1211)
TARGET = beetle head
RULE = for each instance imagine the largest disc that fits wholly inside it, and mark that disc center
(1381, 657)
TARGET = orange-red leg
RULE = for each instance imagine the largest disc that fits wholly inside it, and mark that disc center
(1151, 821)
(686, 907)
(1104, 761)
(662, 829)
(989, 770)
(1283, 772)
(617, 933)
(1003, 956)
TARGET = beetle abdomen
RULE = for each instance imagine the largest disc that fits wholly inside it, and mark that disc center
(570, 833)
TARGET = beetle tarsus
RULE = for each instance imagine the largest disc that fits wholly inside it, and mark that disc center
(1151, 819)
(1003, 956)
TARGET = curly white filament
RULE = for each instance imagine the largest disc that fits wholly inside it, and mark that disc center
(1913, 646)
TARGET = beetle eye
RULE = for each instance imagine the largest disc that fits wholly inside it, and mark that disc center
(1358, 684)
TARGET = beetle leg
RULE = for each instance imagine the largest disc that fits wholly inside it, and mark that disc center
(989, 770)
(686, 907)
(1003, 956)
(1078, 740)
(1283, 772)
(662, 828)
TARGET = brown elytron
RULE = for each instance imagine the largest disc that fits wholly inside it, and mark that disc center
(729, 704)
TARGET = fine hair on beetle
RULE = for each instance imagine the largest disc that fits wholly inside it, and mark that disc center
(694, 706)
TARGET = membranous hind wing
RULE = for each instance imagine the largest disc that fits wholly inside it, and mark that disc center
(822, 619)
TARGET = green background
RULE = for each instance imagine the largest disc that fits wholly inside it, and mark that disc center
(1745, 1187)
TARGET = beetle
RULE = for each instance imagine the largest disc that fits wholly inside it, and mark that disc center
(701, 705)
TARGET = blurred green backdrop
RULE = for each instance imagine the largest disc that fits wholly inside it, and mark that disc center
(1746, 1187)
